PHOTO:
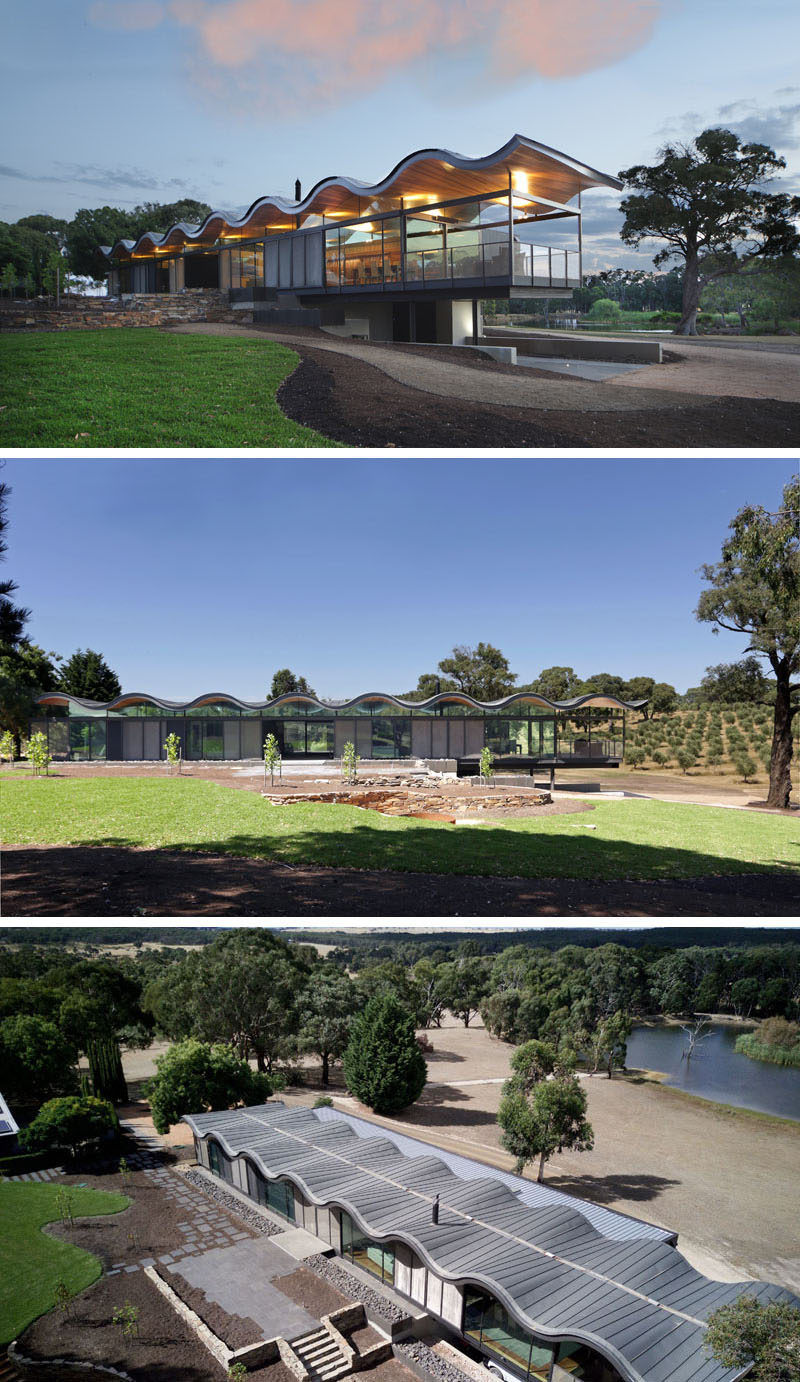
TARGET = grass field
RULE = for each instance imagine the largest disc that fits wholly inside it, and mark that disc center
(141, 387)
(630, 839)
(32, 1264)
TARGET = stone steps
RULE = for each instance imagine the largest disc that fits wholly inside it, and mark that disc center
(322, 1357)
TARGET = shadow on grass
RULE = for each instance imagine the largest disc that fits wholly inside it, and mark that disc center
(611, 1189)
(361, 869)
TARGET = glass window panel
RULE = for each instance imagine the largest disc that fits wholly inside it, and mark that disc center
(474, 1304)
(222, 710)
(332, 257)
(214, 741)
(392, 250)
(294, 739)
(320, 736)
(194, 746)
(79, 739)
(504, 1337)
(361, 249)
(97, 738)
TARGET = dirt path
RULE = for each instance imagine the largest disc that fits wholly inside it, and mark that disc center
(380, 396)
(78, 881)
(725, 1181)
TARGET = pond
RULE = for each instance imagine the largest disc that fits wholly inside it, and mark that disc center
(715, 1070)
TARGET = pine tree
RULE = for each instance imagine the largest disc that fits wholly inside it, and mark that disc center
(383, 1065)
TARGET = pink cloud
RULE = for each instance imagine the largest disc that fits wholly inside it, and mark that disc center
(290, 53)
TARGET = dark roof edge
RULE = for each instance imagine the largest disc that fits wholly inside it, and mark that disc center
(441, 698)
(294, 208)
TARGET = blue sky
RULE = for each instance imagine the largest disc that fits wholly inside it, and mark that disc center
(124, 101)
(199, 575)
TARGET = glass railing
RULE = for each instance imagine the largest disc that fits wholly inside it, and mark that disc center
(536, 266)
(581, 747)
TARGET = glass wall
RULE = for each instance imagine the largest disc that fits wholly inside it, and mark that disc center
(379, 729)
(272, 1194)
(220, 1162)
(247, 266)
(489, 1325)
(376, 1258)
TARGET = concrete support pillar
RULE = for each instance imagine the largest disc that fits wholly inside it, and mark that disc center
(461, 322)
(225, 270)
(180, 280)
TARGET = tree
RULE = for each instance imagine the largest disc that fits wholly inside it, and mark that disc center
(706, 201)
(243, 988)
(71, 1122)
(36, 1059)
(194, 1077)
(555, 683)
(462, 985)
(547, 1120)
(13, 618)
(608, 1042)
(86, 674)
(767, 1335)
(482, 672)
(663, 699)
(285, 683)
(8, 280)
(730, 683)
(326, 1015)
(605, 309)
(383, 1065)
(25, 672)
(755, 590)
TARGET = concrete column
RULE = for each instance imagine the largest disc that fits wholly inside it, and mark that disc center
(225, 270)
(180, 279)
(172, 275)
(461, 322)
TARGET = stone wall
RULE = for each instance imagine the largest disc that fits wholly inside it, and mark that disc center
(145, 309)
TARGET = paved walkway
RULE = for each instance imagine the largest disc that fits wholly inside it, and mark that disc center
(239, 1279)
(704, 370)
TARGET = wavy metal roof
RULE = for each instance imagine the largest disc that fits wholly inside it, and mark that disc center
(556, 179)
(636, 1300)
(592, 699)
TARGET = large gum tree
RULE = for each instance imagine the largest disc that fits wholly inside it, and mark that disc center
(707, 201)
(755, 590)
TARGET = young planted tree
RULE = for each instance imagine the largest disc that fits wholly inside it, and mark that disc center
(755, 590)
(383, 1065)
(706, 201)
(350, 762)
(272, 757)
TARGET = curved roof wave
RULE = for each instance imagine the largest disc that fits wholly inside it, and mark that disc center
(590, 700)
(536, 170)
(639, 1302)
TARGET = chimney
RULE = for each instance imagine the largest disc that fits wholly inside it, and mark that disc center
(435, 1211)
(297, 191)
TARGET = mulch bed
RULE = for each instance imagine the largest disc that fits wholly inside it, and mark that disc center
(357, 404)
(316, 1296)
(237, 1331)
(75, 881)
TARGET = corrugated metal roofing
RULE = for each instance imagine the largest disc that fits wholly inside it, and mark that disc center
(563, 1268)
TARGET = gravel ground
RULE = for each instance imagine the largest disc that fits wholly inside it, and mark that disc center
(434, 1365)
(374, 1303)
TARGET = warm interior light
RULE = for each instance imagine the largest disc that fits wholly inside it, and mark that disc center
(520, 181)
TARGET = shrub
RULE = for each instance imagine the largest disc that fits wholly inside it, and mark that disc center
(71, 1122)
(686, 759)
(744, 766)
(194, 1076)
(324, 1101)
(635, 755)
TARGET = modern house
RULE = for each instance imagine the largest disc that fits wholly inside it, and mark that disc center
(408, 258)
(522, 730)
(542, 1286)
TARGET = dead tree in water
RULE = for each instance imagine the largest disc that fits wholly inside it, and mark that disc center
(695, 1034)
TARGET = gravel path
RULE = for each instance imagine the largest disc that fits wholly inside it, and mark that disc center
(702, 370)
(500, 388)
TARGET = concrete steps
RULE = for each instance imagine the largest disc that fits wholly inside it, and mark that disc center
(321, 1356)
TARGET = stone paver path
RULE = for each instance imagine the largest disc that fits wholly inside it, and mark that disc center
(239, 1279)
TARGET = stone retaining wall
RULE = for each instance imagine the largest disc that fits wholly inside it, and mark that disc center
(421, 804)
(145, 309)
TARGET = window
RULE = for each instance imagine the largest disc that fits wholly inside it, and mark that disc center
(277, 1195)
(490, 1326)
(375, 1258)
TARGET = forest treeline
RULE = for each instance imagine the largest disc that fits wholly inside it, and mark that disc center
(272, 1000)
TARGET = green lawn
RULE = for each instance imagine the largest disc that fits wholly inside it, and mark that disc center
(631, 839)
(32, 1264)
(140, 387)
